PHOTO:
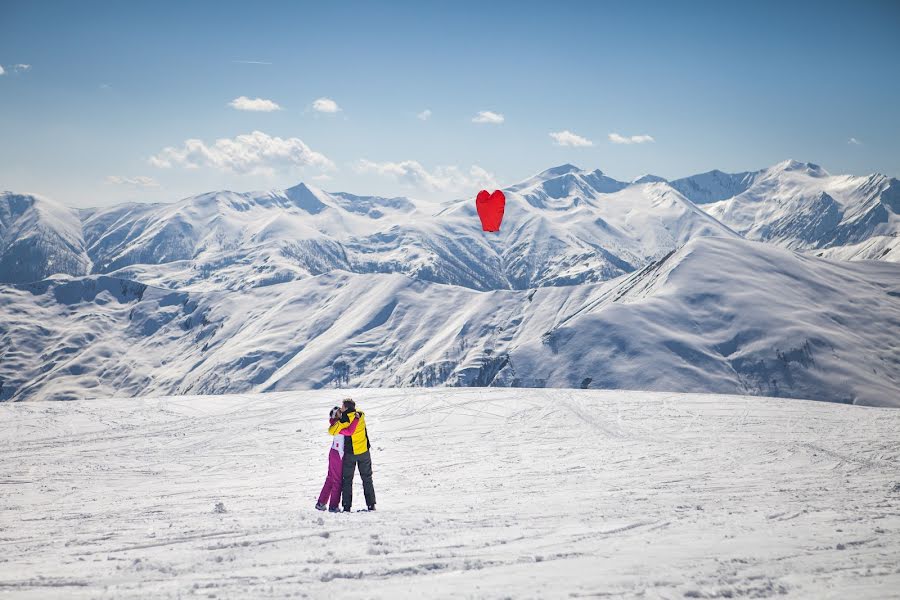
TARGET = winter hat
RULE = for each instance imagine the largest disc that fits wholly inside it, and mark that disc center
(334, 412)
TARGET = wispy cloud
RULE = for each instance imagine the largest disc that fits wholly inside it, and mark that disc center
(487, 116)
(326, 105)
(254, 104)
(442, 179)
(251, 62)
(567, 138)
(19, 68)
(138, 182)
(615, 138)
(854, 142)
(424, 115)
(251, 153)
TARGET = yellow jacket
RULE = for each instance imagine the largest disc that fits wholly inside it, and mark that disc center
(355, 429)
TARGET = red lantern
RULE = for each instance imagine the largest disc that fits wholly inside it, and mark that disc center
(490, 209)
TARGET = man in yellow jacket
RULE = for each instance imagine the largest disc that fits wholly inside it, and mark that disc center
(352, 424)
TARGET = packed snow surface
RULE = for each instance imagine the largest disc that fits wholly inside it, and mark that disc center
(482, 493)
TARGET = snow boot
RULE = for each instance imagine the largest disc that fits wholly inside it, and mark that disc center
(371, 507)
(320, 506)
(334, 509)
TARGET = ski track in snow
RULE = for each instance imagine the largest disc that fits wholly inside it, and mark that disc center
(482, 493)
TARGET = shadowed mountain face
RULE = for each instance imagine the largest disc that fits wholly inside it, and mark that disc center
(39, 238)
(714, 186)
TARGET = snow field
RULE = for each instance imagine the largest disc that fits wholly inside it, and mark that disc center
(482, 493)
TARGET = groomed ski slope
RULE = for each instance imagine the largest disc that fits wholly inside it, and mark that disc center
(482, 493)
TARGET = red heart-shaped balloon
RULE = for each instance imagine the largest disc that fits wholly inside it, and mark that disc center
(490, 209)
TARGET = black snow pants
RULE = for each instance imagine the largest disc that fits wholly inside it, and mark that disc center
(364, 461)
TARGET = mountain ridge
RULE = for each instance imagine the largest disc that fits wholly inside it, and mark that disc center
(689, 321)
(557, 231)
(564, 226)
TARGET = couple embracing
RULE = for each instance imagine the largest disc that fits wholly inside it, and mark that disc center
(349, 450)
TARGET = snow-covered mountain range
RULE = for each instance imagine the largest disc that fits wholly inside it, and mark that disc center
(591, 282)
(801, 206)
(562, 227)
(718, 315)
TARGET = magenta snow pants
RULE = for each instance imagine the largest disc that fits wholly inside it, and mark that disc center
(331, 491)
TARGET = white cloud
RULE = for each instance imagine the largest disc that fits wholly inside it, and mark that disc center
(615, 138)
(19, 68)
(486, 116)
(854, 142)
(424, 115)
(139, 182)
(567, 138)
(251, 62)
(442, 179)
(250, 153)
(326, 105)
(254, 104)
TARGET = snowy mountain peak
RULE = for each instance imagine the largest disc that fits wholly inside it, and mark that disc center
(543, 176)
(791, 165)
(557, 171)
(649, 178)
(306, 198)
(568, 187)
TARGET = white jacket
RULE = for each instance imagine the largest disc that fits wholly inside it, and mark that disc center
(338, 444)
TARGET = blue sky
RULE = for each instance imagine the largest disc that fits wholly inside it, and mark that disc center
(110, 86)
